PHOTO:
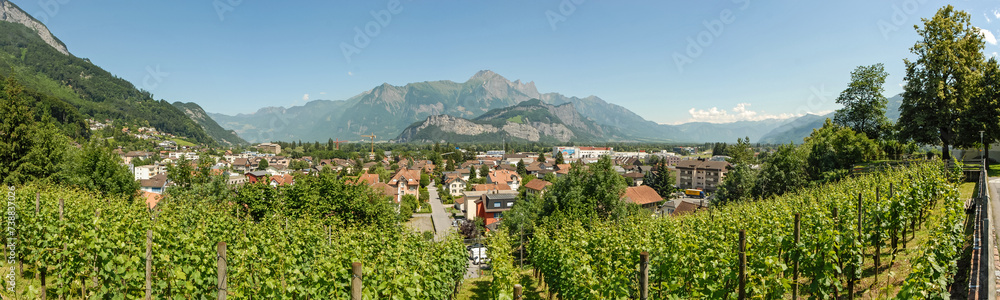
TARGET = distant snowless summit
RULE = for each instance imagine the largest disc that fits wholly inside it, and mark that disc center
(387, 110)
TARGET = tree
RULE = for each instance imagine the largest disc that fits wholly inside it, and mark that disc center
(737, 186)
(521, 168)
(782, 172)
(984, 110)
(719, 149)
(262, 164)
(407, 205)
(484, 171)
(180, 173)
(942, 81)
(589, 192)
(472, 172)
(833, 148)
(97, 168)
(864, 104)
(424, 180)
(541, 157)
(741, 153)
(559, 158)
(661, 180)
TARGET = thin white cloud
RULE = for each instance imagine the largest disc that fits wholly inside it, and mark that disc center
(987, 16)
(988, 36)
(322, 93)
(349, 73)
(305, 97)
(996, 13)
(741, 112)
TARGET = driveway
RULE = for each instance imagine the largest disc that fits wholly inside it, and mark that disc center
(441, 218)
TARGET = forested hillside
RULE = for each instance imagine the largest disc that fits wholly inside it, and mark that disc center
(75, 89)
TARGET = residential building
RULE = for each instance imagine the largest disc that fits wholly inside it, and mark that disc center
(156, 184)
(270, 147)
(278, 180)
(406, 182)
(147, 171)
(636, 178)
(642, 195)
(701, 174)
(128, 157)
(492, 206)
(537, 186)
(507, 177)
(455, 185)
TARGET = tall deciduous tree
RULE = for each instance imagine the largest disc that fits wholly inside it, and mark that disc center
(984, 109)
(782, 172)
(864, 104)
(942, 81)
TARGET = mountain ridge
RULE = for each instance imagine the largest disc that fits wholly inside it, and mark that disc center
(386, 110)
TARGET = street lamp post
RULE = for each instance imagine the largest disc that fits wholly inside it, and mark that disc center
(982, 155)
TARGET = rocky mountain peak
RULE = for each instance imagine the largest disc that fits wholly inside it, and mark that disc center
(486, 75)
(13, 14)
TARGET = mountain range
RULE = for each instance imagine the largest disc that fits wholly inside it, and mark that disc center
(798, 129)
(387, 110)
(530, 121)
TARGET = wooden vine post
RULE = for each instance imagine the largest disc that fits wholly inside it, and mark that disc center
(62, 204)
(149, 264)
(878, 234)
(795, 263)
(743, 265)
(644, 275)
(517, 292)
(222, 285)
(356, 283)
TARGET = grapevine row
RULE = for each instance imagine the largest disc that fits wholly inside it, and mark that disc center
(697, 256)
(98, 247)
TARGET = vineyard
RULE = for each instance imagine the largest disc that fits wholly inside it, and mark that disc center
(845, 231)
(91, 246)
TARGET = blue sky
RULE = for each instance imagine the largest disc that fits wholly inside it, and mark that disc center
(754, 59)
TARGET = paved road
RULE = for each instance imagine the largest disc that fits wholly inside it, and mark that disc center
(442, 221)
(994, 188)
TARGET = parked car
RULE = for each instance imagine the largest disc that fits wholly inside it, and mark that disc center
(476, 245)
(478, 255)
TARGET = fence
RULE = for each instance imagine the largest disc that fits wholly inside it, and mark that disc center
(981, 260)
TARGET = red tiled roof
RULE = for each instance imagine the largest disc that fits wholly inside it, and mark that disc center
(152, 199)
(384, 189)
(685, 208)
(283, 179)
(537, 184)
(504, 176)
(411, 177)
(368, 179)
(491, 187)
(642, 195)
